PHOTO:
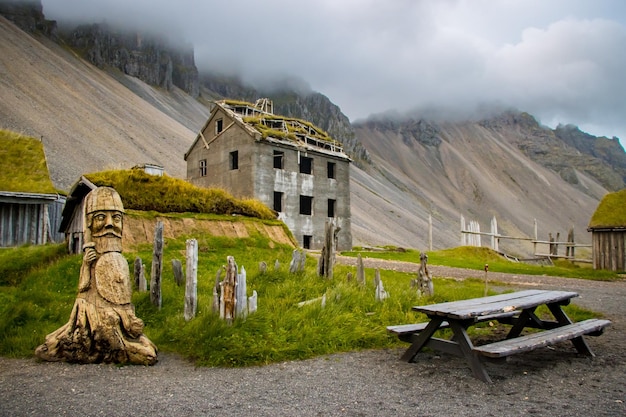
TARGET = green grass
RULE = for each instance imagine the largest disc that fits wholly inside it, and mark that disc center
(164, 194)
(475, 258)
(24, 167)
(41, 299)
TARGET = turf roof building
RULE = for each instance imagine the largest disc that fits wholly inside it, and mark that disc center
(288, 164)
(30, 208)
(608, 232)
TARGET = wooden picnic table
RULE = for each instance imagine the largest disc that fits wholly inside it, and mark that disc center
(516, 309)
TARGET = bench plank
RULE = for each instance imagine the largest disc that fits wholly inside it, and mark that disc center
(541, 339)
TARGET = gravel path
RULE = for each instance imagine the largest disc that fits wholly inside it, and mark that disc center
(549, 382)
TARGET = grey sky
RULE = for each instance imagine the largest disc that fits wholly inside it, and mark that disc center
(560, 60)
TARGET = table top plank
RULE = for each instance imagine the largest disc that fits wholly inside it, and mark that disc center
(501, 303)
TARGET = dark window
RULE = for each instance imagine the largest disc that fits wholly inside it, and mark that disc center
(306, 165)
(219, 126)
(306, 241)
(203, 167)
(279, 157)
(331, 170)
(278, 201)
(234, 160)
(306, 205)
(331, 207)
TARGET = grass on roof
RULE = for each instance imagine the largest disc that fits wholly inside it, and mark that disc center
(611, 211)
(164, 194)
(24, 167)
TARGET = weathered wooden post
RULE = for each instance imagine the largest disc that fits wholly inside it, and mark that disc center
(252, 302)
(326, 261)
(177, 268)
(217, 291)
(360, 270)
(298, 260)
(137, 270)
(143, 284)
(570, 243)
(486, 278)
(494, 234)
(381, 294)
(227, 299)
(430, 232)
(424, 278)
(241, 299)
(191, 284)
(157, 266)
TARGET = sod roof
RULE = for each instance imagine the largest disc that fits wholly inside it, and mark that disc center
(24, 167)
(611, 211)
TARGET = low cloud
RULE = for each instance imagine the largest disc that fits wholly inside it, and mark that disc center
(561, 61)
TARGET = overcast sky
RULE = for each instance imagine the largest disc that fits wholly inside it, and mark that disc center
(563, 61)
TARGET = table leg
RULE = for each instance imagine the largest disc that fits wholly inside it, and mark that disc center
(579, 343)
(526, 317)
(421, 339)
(466, 346)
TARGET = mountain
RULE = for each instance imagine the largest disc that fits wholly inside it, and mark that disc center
(95, 110)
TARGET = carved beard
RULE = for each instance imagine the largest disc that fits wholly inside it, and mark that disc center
(108, 243)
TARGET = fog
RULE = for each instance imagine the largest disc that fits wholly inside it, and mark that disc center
(563, 61)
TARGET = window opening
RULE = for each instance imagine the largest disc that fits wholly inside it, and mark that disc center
(278, 201)
(219, 126)
(331, 170)
(306, 165)
(306, 205)
(203, 167)
(279, 157)
(331, 207)
(234, 160)
(306, 241)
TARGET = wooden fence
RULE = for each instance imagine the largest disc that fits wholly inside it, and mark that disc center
(471, 236)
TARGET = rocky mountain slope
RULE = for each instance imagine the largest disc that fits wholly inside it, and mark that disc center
(96, 117)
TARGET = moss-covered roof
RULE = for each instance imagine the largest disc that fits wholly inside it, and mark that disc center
(611, 211)
(24, 167)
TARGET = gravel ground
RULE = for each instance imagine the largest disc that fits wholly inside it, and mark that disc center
(553, 381)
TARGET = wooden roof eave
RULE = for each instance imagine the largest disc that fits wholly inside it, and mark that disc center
(27, 198)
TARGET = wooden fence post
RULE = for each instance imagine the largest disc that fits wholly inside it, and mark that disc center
(143, 285)
(228, 294)
(177, 267)
(191, 284)
(326, 261)
(157, 266)
(424, 277)
(241, 298)
(360, 270)
(137, 270)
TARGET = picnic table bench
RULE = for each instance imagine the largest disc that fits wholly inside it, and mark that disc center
(516, 309)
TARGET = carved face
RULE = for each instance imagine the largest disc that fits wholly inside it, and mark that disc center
(106, 223)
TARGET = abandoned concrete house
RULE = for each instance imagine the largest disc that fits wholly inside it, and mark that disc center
(286, 163)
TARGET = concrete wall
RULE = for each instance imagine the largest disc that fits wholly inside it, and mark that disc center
(293, 184)
(236, 181)
(256, 177)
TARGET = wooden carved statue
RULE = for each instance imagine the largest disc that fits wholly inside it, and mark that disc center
(102, 326)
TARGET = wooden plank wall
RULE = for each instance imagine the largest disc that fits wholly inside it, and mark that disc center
(33, 224)
(609, 250)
